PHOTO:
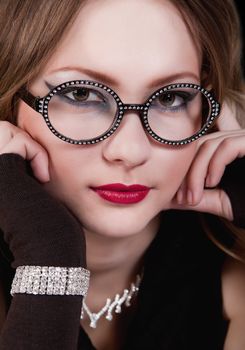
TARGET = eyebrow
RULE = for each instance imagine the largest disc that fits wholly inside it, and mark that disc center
(99, 76)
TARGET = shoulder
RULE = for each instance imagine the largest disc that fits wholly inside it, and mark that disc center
(233, 293)
(233, 288)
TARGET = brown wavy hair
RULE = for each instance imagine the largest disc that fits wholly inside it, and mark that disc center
(31, 31)
(215, 25)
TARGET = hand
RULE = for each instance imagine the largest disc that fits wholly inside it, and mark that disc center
(199, 190)
(15, 140)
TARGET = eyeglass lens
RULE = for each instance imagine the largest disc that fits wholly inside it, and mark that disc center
(81, 112)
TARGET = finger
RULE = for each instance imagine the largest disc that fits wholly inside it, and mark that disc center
(181, 193)
(23, 145)
(228, 150)
(5, 139)
(6, 133)
(197, 173)
(211, 159)
(213, 201)
(220, 134)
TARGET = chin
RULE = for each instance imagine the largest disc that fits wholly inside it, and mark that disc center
(115, 229)
(108, 220)
(117, 226)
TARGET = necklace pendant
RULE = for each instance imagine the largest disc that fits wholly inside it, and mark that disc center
(109, 317)
(93, 320)
(115, 306)
(93, 324)
(118, 309)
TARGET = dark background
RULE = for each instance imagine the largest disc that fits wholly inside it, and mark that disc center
(241, 11)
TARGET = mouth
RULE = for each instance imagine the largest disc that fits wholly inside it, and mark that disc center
(123, 194)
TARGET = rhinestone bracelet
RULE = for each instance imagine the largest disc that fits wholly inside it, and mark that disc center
(50, 280)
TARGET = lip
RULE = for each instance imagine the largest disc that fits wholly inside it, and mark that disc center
(123, 194)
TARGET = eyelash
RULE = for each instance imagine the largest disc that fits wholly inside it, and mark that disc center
(187, 97)
(77, 103)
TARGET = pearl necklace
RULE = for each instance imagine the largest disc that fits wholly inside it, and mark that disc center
(115, 305)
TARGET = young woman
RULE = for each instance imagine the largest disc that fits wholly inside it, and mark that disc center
(121, 123)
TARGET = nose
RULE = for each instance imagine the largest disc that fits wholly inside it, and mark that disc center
(129, 145)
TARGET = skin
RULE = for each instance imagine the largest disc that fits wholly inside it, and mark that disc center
(129, 156)
(134, 55)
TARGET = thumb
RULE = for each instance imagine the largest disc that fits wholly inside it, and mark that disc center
(213, 201)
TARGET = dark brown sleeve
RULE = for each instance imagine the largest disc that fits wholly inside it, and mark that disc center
(233, 183)
(41, 322)
(38, 231)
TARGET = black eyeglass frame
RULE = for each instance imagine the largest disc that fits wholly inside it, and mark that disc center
(40, 105)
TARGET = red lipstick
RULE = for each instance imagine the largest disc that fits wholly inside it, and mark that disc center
(119, 193)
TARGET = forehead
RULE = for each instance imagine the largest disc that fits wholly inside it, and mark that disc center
(133, 41)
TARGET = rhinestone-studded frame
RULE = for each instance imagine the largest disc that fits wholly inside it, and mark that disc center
(41, 106)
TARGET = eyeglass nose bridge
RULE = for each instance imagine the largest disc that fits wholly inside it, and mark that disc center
(133, 106)
(128, 107)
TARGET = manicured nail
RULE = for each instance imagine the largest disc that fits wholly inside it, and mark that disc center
(180, 196)
(46, 176)
(208, 181)
(189, 197)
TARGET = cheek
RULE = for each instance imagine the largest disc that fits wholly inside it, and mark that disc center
(71, 169)
(181, 162)
(33, 123)
(64, 160)
(22, 112)
(27, 118)
(173, 168)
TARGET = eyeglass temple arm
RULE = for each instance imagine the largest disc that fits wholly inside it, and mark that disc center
(28, 98)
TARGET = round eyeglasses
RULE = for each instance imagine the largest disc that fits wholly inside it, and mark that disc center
(84, 112)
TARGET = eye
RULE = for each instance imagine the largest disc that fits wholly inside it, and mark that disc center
(83, 95)
(80, 94)
(171, 99)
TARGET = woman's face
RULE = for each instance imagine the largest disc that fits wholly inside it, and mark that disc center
(134, 43)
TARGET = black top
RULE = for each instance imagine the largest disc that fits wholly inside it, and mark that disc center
(180, 305)
(179, 301)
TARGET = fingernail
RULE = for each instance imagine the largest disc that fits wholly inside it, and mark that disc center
(208, 181)
(189, 197)
(180, 196)
(47, 177)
